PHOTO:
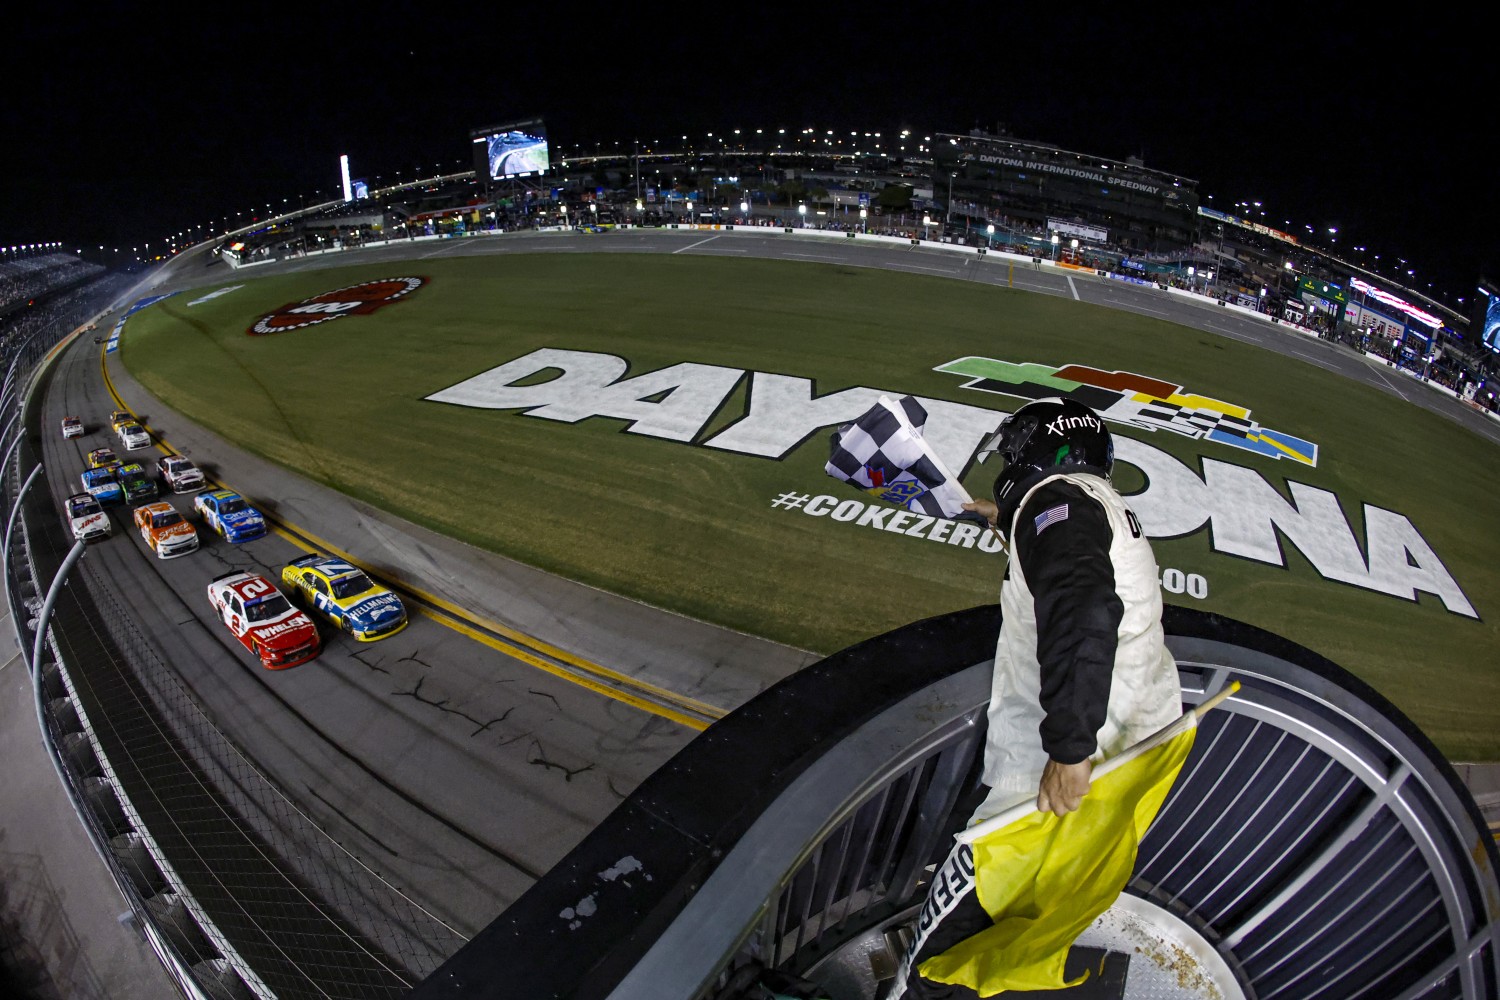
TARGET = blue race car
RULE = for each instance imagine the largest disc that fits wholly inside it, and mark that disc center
(349, 598)
(227, 513)
(104, 484)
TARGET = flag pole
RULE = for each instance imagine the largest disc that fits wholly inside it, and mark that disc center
(1172, 730)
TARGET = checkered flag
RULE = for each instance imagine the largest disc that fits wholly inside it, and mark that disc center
(883, 453)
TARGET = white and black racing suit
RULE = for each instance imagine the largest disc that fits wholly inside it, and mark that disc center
(1081, 671)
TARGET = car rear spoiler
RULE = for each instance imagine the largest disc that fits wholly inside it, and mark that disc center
(225, 576)
(304, 560)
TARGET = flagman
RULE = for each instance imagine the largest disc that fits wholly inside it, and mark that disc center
(1081, 667)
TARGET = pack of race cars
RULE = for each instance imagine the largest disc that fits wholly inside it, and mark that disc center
(254, 610)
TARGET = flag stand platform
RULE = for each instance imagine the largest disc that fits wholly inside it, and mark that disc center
(1147, 953)
(1168, 959)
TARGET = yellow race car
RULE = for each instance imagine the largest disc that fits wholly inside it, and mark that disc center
(120, 418)
(102, 458)
(346, 596)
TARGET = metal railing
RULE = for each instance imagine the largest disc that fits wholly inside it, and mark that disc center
(1315, 840)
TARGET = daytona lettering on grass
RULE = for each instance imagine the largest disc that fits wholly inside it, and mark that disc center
(1245, 514)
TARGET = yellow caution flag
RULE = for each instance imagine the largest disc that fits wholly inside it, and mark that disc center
(1044, 879)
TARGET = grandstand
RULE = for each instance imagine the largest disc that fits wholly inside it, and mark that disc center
(26, 279)
(972, 188)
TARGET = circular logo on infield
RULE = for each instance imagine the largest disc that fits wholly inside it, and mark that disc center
(356, 300)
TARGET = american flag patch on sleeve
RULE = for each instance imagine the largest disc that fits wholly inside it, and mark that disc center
(1048, 518)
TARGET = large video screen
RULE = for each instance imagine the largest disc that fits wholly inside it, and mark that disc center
(1489, 315)
(518, 149)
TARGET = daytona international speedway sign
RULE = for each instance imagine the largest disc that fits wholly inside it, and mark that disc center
(1245, 514)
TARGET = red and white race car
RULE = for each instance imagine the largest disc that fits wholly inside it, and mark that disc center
(263, 619)
(72, 427)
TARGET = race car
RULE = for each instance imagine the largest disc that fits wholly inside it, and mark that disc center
(119, 417)
(133, 436)
(263, 619)
(227, 513)
(103, 485)
(180, 474)
(101, 458)
(346, 596)
(87, 518)
(137, 485)
(165, 530)
(72, 427)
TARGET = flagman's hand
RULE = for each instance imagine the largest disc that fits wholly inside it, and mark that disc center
(985, 509)
(1063, 786)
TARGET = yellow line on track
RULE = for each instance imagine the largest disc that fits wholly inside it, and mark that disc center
(622, 688)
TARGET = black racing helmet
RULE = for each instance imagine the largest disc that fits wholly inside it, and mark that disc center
(1043, 438)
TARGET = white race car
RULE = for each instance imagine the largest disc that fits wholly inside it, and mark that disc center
(180, 474)
(87, 518)
(133, 436)
(72, 427)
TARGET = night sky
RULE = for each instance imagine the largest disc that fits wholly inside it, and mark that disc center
(123, 127)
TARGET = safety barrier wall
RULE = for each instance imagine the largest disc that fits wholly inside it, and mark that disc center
(238, 891)
(1315, 840)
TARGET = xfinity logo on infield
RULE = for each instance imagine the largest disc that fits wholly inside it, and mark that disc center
(1137, 400)
(356, 300)
(1246, 516)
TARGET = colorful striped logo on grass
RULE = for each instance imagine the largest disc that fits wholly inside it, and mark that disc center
(1137, 400)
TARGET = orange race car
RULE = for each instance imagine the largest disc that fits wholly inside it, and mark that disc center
(165, 530)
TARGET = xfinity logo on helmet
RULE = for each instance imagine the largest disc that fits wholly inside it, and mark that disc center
(1057, 425)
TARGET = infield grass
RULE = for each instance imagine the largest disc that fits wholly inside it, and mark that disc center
(692, 528)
